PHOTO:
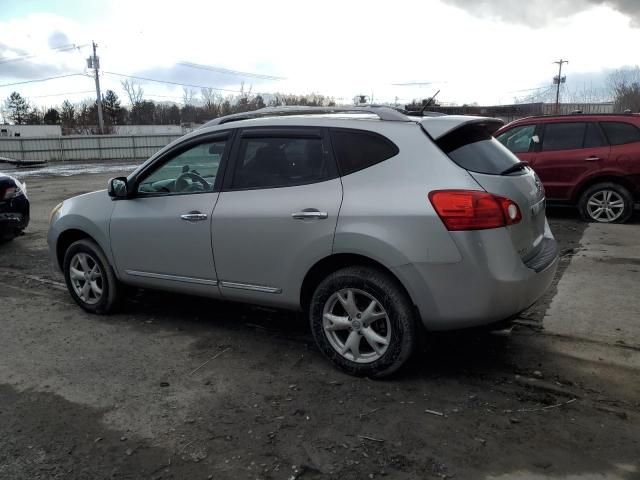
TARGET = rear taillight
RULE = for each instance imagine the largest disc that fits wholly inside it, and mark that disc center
(474, 210)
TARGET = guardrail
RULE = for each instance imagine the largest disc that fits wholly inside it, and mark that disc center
(84, 147)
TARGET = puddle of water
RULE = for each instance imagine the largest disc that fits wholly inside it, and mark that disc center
(67, 169)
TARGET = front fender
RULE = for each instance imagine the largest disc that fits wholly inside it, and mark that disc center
(90, 214)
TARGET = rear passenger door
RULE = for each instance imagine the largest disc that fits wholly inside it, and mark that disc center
(625, 150)
(277, 213)
(570, 152)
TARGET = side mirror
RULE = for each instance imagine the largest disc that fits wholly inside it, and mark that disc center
(535, 139)
(118, 187)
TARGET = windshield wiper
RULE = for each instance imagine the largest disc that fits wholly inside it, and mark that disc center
(515, 167)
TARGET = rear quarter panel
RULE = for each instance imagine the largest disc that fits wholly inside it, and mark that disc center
(386, 213)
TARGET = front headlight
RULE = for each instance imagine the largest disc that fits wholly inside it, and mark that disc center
(55, 210)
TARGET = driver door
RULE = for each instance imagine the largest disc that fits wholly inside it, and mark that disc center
(161, 238)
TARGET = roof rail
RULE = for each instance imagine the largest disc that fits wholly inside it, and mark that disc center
(383, 112)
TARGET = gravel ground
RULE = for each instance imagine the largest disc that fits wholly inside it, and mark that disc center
(181, 387)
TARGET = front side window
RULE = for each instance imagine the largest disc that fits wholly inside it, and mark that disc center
(518, 139)
(269, 162)
(563, 136)
(620, 133)
(192, 171)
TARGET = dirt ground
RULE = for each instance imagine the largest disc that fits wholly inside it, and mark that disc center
(176, 387)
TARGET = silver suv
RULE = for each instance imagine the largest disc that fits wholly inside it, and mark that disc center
(372, 222)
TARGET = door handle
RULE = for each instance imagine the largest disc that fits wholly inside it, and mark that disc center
(309, 214)
(592, 158)
(194, 217)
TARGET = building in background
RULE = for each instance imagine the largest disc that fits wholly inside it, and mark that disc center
(30, 131)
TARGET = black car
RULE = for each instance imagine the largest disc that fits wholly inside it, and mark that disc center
(14, 207)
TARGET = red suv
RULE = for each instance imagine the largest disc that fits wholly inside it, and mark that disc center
(592, 161)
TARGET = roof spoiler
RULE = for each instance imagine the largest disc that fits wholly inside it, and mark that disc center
(438, 127)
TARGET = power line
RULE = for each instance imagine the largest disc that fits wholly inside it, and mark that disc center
(407, 84)
(169, 82)
(528, 89)
(61, 94)
(162, 96)
(227, 71)
(42, 79)
(60, 49)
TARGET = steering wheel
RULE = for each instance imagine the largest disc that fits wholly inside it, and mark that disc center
(183, 185)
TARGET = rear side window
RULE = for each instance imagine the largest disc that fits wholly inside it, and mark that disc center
(563, 136)
(620, 133)
(473, 148)
(268, 162)
(594, 137)
(357, 149)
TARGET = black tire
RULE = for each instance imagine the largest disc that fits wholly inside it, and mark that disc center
(390, 295)
(6, 237)
(621, 191)
(112, 290)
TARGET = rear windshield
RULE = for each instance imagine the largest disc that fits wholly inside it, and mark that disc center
(473, 148)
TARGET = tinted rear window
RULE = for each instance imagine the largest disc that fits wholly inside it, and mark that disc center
(280, 162)
(620, 133)
(563, 136)
(357, 149)
(473, 148)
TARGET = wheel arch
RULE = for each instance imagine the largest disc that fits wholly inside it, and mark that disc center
(608, 178)
(322, 268)
(68, 237)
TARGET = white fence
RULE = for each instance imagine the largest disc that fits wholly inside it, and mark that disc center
(84, 147)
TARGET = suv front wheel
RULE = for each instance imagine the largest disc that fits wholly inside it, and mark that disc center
(606, 202)
(90, 279)
(363, 321)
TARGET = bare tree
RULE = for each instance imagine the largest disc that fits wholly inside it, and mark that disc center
(208, 97)
(133, 90)
(588, 94)
(188, 95)
(625, 87)
(211, 102)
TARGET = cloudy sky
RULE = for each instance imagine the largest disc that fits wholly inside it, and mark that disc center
(485, 51)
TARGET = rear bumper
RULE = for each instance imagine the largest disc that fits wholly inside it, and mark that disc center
(490, 284)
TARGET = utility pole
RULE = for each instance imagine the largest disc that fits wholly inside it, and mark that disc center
(558, 81)
(94, 62)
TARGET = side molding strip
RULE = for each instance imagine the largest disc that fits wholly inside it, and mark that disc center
(253, 288)
(175, 278)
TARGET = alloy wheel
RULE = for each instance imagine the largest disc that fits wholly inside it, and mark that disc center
(86, 278)
(605, 206)
(356, 325)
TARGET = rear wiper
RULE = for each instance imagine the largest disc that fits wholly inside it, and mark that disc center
(515, 167)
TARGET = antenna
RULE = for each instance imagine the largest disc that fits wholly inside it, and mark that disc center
(429, 102)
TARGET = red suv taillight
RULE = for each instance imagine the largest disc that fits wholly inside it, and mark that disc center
(474, 210)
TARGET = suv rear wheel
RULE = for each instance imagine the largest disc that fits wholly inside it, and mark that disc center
(606, 202)
(363, 322)
(90, 279)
